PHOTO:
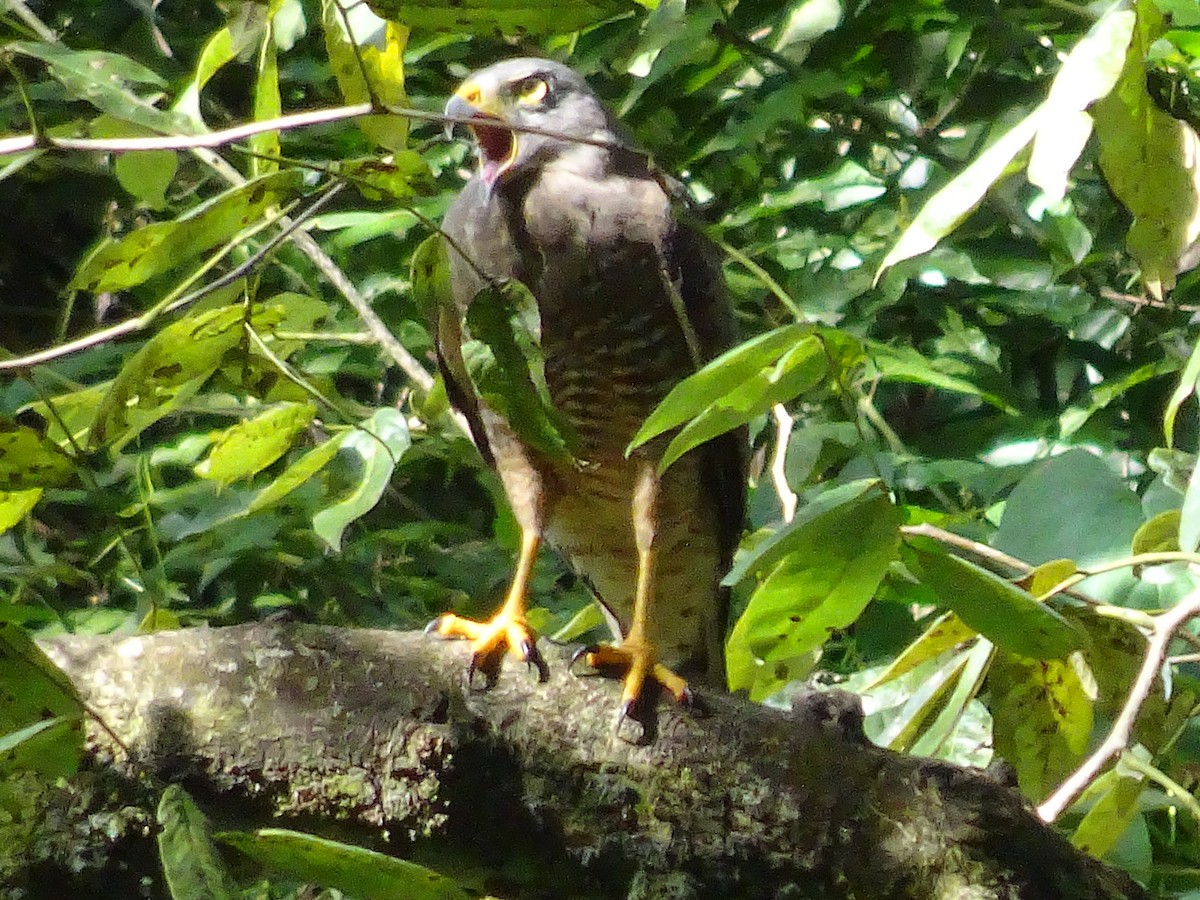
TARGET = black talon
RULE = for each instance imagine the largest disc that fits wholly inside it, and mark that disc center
(433, 626)
(534, 659)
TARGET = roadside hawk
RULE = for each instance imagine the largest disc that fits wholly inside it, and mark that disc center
(631, 301)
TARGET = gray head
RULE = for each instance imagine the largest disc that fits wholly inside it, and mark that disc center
(536, 93)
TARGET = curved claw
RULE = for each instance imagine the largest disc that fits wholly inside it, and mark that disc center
(576, 657)
(434, 626)
(534, 660)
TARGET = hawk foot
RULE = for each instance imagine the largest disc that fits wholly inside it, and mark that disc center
(490, 640)
(644, 678)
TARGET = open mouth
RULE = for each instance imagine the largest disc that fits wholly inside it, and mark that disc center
(497, 148)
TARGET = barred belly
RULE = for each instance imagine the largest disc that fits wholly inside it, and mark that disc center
(606, 374)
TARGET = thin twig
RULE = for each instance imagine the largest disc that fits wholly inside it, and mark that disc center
(210, 139)
(975, 548)
(32, 22)
(783, 435)
(1165, 626)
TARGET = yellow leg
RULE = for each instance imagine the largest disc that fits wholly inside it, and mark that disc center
(637, 656)
(506, 631)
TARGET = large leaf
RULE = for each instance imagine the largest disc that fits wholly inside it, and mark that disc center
(1043, 718)
(358, 872)
(250, 446)
(377, 446)
(28, 460)
(190, 861)
(121, 263)
(524, 17)
(998, 609)
(366, 55)
(724, 375)
(834, 563)
(41, 716)
(508, 369)
(1114, 797)
(103, 79)
(1152, 163)
(170, 367)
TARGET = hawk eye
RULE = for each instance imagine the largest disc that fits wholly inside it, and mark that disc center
(531, 90)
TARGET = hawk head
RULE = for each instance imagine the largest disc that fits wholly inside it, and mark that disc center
(532, 93)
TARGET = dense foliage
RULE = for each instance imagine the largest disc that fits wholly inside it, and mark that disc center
(959, 237)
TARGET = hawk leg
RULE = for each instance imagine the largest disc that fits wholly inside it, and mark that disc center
(506, 631)
(637, 657)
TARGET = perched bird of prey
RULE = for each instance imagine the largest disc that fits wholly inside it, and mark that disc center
(631, 301)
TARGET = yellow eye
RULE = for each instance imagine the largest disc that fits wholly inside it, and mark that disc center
(531, 91)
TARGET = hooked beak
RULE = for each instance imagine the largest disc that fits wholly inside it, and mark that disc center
(496, 146)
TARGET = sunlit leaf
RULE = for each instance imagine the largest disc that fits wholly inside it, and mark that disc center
(1152, 163)
(523, 17)
(366, 56)
(834, 563)
(365, 874)
(250, 446)
(1088, 73)
(376, 446)
(946, 633)
(28, 460)
(121, 263)
(103, 79)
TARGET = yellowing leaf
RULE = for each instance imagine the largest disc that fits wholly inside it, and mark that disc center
(366, 55)
(15, 505)
(1043, 718)
(1152, 163)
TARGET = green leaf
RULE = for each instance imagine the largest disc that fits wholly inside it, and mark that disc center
(366, 71)
(954, 202)
(946, 633)
(722, 376)
(764, 555)
(834, 563)
(947, 373)
(378, 444)
(147, 174)
(250, 446)
(402, 176)
(1160, 534)
(40, 711)
(102, 79)
(506, 365)
(359, 872)
(799, 370)
(15, 506)
(1043, 719)
(1151, 162)
(997, 609)
(1187, 386)
(938, 737)
(219, 51)
(528, 18)
(169, 368)
(268, 104)
(1114, 808)
(121, 263)
(1045, 514)
(1088, 73)
(28, 460)
(297, 474)
(190, 861)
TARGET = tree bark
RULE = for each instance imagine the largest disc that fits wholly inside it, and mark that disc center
(325, 728)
